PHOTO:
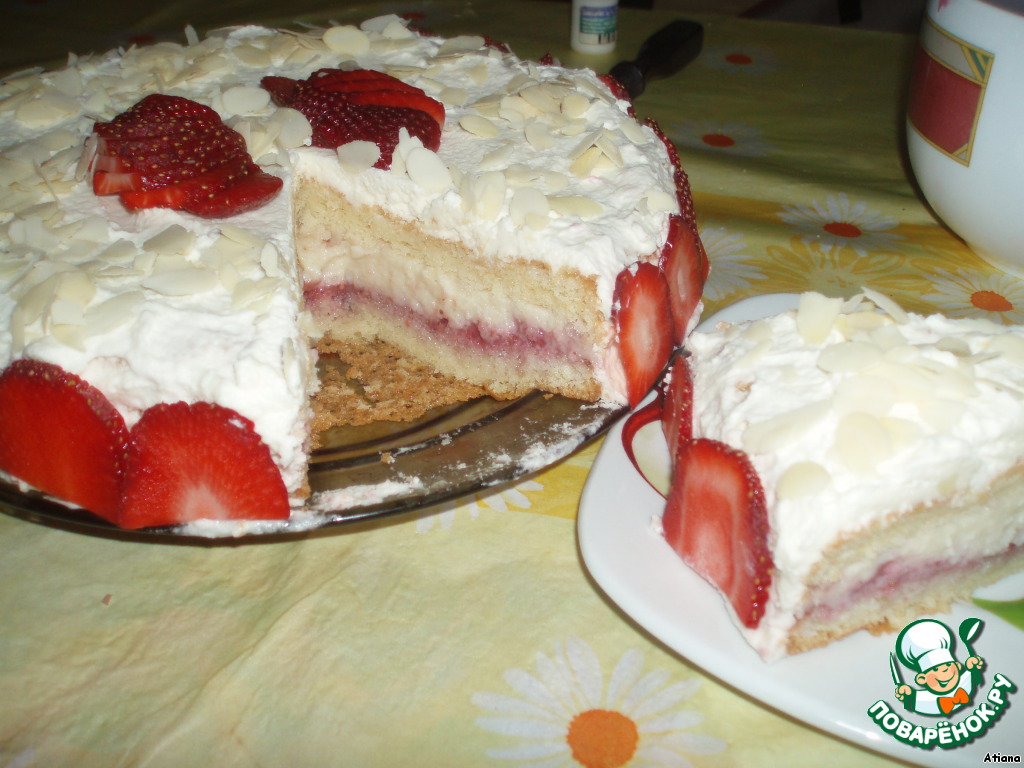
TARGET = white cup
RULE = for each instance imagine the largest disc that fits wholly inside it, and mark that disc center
(965, 123)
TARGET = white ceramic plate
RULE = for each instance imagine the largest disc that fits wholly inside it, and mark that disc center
(830, 688)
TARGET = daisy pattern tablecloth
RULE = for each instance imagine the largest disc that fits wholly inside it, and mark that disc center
(471, 635)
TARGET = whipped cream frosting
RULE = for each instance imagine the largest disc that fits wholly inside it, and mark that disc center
(156, 306)
(855, 412)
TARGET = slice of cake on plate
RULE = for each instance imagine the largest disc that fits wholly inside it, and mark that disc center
(846, 465)
(184, 223)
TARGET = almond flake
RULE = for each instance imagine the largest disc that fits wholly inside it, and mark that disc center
(478, 126)
(848, 357)
(862, 442)
(452, 96)
(815, 317)
(528, 207)
(182, 282)
(660, 201)
(428, 170)
(48, 109)
(576, 205)
(174, 240)
(64, 312)
(585, 165)
(346, 40)
(802, 479)
(634, 132)
(538, 135)
(254, 57)
(485, 194)
(245, 99)
(461, 44)
(478, 74)
(497, 159)
(294, 129)
(772, 434)
(358, 156)
(869, 394)
(69, 335)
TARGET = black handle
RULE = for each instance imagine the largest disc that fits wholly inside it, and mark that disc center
(664, 53)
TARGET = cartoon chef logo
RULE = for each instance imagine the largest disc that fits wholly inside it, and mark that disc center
(945, 684)
(948, 691)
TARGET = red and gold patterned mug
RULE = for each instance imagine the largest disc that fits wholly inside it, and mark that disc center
(965, 123)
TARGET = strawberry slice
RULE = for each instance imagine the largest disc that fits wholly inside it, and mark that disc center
(716, 520)
(60, 435)
(171, 152)
(683, 261)
(361, 105)
(203, 461)
(643, 327)
(677, 409)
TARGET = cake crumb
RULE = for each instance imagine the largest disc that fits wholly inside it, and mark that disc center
(107, 599)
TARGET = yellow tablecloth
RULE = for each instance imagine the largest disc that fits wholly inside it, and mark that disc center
(471, 635)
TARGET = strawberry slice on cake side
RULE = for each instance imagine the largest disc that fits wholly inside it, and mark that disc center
(200, 461)
(60, 435)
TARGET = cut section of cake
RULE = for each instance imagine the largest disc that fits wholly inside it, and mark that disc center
(187, 223)
(857, 466)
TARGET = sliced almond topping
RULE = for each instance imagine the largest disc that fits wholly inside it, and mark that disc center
(174, 240)
(497, 159)
(779, 431)
(585, 165)
(461, 44)
(49, 109)
(864, 393)
(634, 132)
(661, 201)
(478, 126)
(358, 156)
(182, 282)
(802, 479)
(246, 100)
(485, 194)
(529, 206)
(270, 260)
(294, 129)
(346, 40)
(538, 135)
(541, 99)
(555, 181)
(428, 170)
(848, 357)
(815, 317)
(64, 312)
(576, 205)
(452, 96)
(72, 336)
(251, 56)
(112, 313)
(478, 74)
(862, 442)
(253, 294)
(1009, 346)
(36, 301)
(575, 105)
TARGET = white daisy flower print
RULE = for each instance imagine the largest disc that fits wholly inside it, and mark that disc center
(729, 138)
(732, 268)
(838, 223)
(995, 296)
(499, 501)
(565, 715)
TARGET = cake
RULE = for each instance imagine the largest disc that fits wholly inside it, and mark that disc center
(846, 465)
(508, 224)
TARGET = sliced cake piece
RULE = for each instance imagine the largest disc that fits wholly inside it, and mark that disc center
(890, 449)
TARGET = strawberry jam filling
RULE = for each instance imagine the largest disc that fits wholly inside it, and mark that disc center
(517, 341)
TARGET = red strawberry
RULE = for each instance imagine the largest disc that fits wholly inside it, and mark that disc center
(677, 409)
(62, 436)
(361, 105)
(643, 327)
(683, 261)
(716, 520)
(171, 152)
(618, 91)
(202, 461)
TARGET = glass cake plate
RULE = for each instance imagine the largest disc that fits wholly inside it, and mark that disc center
(387, 468)
(830, 688)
